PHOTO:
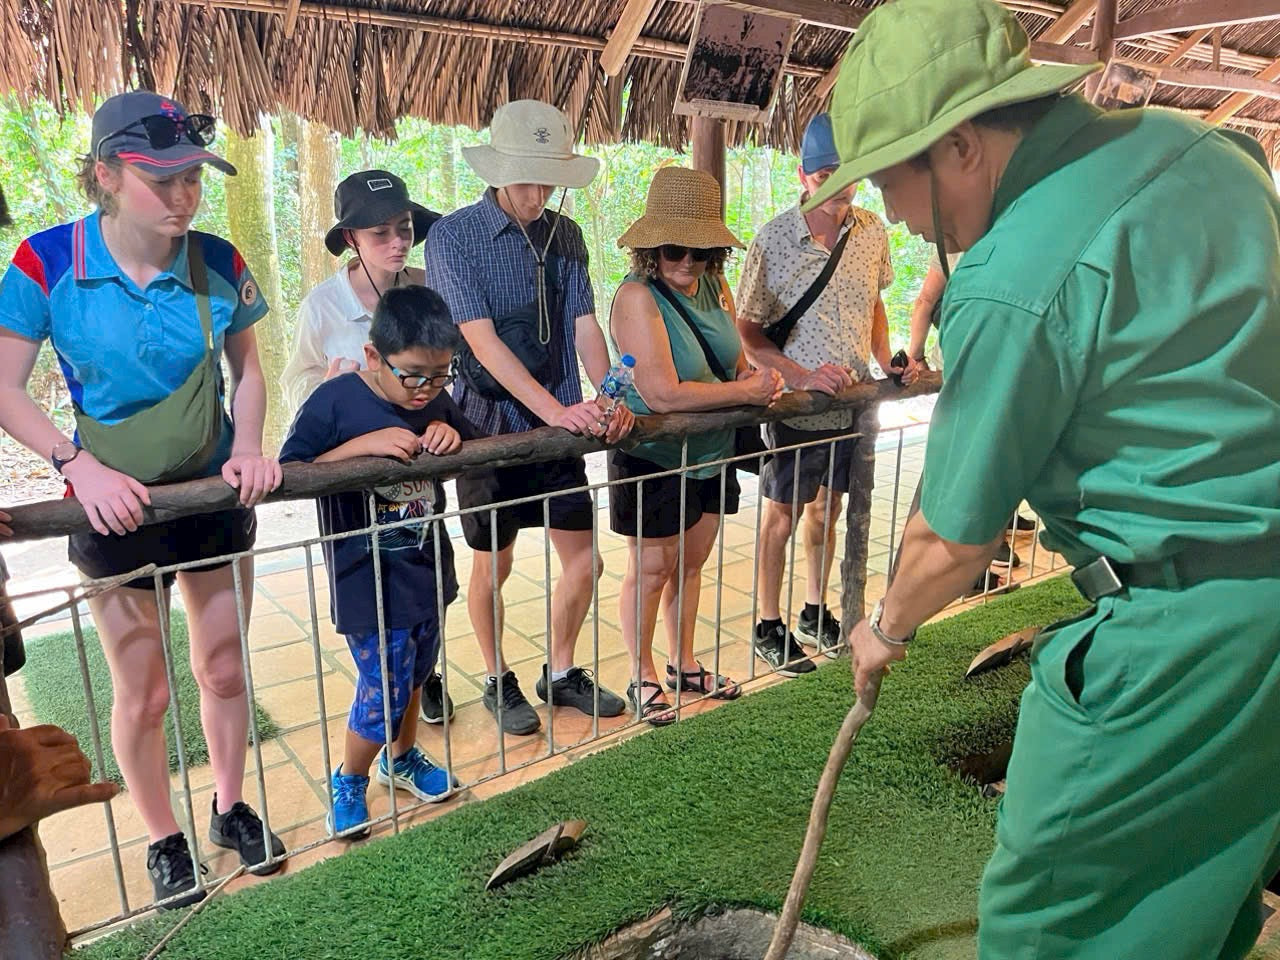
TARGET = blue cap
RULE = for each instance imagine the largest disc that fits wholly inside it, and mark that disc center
(627, 360)
(120, 130)
(818, 148)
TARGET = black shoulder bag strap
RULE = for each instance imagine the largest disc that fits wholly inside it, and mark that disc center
(779, 333)
(712, 360)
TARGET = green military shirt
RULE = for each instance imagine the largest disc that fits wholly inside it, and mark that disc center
(1112, 344)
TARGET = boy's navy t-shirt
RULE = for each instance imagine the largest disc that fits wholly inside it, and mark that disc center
(342, 409)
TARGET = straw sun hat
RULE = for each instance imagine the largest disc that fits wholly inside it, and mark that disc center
(683, 207)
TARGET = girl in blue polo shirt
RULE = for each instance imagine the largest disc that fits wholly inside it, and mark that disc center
(140, 310)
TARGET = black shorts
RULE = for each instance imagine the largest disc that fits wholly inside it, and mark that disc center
(778, 478)
(478, 488)
(164, 544)
(662, 497)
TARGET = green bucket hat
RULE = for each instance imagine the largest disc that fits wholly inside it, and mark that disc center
(917, 69)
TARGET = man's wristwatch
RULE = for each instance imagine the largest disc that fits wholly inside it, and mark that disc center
(63, 453)
(874, 623)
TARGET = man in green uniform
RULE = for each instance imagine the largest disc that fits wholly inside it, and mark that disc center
(1112, 338)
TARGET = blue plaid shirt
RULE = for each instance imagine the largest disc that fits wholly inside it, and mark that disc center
(479, 263)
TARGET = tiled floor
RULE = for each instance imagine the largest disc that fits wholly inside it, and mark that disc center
(285, 645)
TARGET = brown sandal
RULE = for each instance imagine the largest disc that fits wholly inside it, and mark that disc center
(704, 682)
(654, 710)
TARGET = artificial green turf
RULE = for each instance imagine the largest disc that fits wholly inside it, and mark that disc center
(710, 811)
(54, 686)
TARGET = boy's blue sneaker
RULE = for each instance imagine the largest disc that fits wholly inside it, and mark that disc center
(415, 773)
(350, 808)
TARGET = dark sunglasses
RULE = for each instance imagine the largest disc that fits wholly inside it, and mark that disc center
(164, 131)
(415, 381)
(675, 253)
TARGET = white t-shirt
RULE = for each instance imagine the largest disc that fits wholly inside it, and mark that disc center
(332, 322)
(935, 354)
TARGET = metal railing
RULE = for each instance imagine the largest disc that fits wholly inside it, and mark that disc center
(304, 481)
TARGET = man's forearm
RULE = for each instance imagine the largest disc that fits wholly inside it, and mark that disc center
(592, 349)
(931, 573)
(762, 352)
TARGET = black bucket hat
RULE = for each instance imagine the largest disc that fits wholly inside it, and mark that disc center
(371, 197)
(155, 133)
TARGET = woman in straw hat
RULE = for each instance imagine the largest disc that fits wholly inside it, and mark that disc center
(675, 315)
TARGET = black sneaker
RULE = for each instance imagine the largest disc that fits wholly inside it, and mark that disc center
(518, 715)
(239, 829)
(779, 649)
(577, 689)
(173, 871)
(1006, 557)
(990, 582)
(432, 700)
(1020, 523)
(828, 642)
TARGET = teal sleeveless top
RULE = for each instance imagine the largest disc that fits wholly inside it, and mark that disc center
(708, 310)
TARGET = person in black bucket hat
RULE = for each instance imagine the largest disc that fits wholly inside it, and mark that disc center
(379, 224)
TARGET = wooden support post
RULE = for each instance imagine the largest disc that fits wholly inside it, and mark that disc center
(708, 151)
(1104, 43)
(1072, 19)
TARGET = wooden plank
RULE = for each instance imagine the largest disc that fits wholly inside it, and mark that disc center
(1185, 47)
(1217, 48)
(1238, 101)
(1072, 19)
(708, 152)
(291, 18)
(1218, 80)
(1042, 52)
(1194, 14)
(818, 13)
(1104, 40)
(634, 16)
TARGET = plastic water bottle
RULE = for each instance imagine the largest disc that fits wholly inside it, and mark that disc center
(614, 386)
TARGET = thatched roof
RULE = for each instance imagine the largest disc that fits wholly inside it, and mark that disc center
(362, 64)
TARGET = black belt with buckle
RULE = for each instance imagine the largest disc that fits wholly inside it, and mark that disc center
(1237, 561)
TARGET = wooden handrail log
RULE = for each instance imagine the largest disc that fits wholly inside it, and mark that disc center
(304, 481)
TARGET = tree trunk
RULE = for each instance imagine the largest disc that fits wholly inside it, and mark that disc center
(448, 172)
(252, 219)
(317, 179)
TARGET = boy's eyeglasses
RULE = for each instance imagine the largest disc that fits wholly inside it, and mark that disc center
(165, 131)
(415, 381)
(674, 253)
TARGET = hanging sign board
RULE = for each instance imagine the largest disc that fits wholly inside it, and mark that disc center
(733, 69)
(1125, 84)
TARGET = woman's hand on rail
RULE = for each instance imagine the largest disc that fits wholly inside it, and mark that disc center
(620, 423)
(112, 500)
(440, 439)
(253, 475)
(761, 387)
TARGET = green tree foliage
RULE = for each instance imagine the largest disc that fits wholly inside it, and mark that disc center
(39, 150)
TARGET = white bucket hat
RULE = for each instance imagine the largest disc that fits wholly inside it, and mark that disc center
(530, 142)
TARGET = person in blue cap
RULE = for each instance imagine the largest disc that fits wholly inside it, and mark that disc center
(141, 310)
(810, 306)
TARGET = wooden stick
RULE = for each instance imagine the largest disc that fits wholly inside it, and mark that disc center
(159, 947)
(817, 829)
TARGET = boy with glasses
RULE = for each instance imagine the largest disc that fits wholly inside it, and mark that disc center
(397, 408)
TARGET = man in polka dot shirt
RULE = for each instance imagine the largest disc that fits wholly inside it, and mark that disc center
(828, 349)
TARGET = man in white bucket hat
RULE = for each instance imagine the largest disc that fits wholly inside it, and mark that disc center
(515, 278)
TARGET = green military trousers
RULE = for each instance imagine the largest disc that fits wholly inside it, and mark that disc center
(1142, 817)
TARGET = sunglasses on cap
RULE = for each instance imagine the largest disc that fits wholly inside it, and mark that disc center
(675, 253)
(164, 131)
(416, 381)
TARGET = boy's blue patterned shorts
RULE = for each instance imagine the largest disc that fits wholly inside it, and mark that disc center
(411, 656)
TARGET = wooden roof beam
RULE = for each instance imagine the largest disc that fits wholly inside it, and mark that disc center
(1195, 14)
(1185, 47)
(1238, 101)
(1072, 19)
(632, 20)
(291, 18)
(1218, 80)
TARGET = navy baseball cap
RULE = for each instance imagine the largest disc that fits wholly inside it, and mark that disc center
(155, 134)
(818, 149)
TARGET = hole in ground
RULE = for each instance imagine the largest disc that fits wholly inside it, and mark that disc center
(985, 770)
(731, 935)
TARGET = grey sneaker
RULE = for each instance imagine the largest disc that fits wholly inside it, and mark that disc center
(577, 689)
(518, 715)
(778, 648)
(828, 641)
